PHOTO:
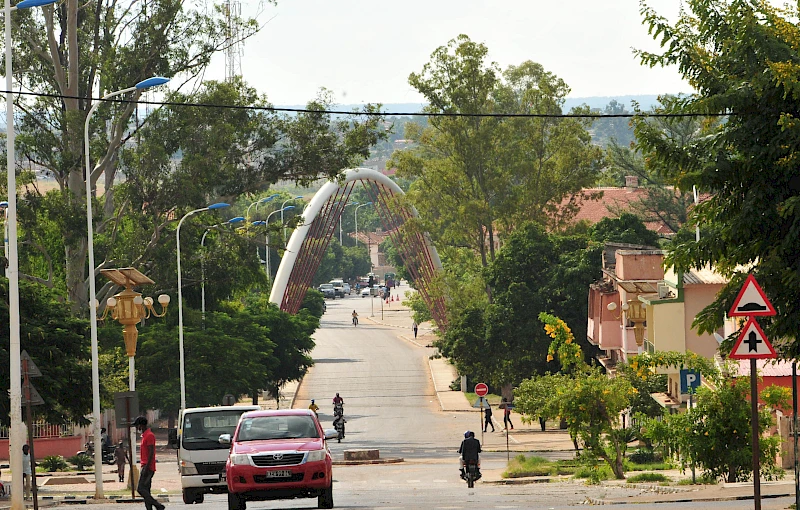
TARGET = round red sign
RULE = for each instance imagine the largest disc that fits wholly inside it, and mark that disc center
(481, 389)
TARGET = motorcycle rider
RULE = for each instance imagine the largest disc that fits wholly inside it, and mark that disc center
(469, 450)
(338, 400)
(355, 318)
(314, 407)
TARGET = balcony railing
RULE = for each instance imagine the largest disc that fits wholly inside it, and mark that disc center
(44, 430)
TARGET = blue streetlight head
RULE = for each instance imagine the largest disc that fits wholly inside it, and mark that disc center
(288, 207)
(220, 205)
(368, 203)
(237, 219)
(298, 196)
(155, 81)
(259, 222)
(27, 4)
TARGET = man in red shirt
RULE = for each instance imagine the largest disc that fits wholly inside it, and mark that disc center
(148, 455)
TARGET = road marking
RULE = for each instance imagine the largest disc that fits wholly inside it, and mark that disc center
(440, 481)
(414, 481)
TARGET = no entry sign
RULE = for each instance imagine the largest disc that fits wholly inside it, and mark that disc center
(481, 389)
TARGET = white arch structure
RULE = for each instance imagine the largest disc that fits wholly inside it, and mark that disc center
(309, 241)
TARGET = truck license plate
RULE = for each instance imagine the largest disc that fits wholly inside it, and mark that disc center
(284, 473)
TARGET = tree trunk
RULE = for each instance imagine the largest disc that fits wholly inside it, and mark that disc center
(507, 391)
(76, 275)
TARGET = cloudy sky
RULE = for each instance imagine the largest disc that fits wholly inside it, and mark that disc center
(364, 50)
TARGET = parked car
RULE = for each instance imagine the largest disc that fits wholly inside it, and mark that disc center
(338, 286)
(365, 292)
(279, 454)
(346, 288)
(327, 290)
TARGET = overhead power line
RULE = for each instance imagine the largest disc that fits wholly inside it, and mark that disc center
(384, 114)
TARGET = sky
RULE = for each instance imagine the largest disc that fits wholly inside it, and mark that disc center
(364, 50)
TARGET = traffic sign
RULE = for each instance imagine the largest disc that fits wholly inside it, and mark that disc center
(481, 403)
(690, 380)
(752, 343)
(751, 301)
(481, 389)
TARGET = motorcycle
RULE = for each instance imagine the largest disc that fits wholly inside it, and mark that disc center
(338, 420)
(108, 452)
(472, 473)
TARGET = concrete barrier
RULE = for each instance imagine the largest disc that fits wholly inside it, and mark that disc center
(361, 455)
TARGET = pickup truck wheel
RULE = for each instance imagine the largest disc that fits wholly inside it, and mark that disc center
(189, 496)
(199, 498)
(325, 500)
(236, 502)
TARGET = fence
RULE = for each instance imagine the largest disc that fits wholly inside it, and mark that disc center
(44, 430)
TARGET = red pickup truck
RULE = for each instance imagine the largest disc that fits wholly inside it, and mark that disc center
(279, 454)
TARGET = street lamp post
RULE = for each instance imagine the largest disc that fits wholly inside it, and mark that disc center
(4, 207)
(17, 434)
(269, 270)
(260, 201)
(211, 207)
(98, 454)
(231, 221)
(356, 218)
(340, 222)
(282, 207)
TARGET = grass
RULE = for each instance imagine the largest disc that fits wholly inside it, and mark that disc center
(494, 400)
(652, 466)
(648, 477)
(522, 466)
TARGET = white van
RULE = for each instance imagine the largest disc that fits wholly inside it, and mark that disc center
(201, 457)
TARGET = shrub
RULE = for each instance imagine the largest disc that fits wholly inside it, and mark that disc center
(53, 463)
(81, 461)
(593, 473)
(648, 477)
(645, 456)
(528, 466)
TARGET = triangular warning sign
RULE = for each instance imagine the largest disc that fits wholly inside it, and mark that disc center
(751, 301)
(752, 343)
(33, 370)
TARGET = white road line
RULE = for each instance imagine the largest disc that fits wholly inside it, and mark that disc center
(440, 481)
(414, 481)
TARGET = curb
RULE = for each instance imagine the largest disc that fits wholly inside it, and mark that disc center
(367, 462)
(595, 501)
(520, 481)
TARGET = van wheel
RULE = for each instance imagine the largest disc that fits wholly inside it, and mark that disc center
(199, 498)
(236, 501)
(325, 500)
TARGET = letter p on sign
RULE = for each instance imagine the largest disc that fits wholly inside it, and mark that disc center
(690, 380)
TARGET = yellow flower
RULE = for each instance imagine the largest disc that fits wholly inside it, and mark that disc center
(706, 433)
(549, 357)
(606, 392)
(568, 341)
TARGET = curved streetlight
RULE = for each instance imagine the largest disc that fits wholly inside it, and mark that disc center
(269, 270)
(98, 454)
(231, 221)
(259, 201)
(356, 219)
(211, 207)
(282, 206)
(340, 221)
(17, 434)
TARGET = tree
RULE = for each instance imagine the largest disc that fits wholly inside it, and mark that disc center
(472, 175)
(58, 344)
(615, 130)
(720, 419)
(588, 400)
(747, 162)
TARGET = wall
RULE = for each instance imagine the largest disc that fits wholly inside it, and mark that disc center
(697, 297)
(665, 327)
(64, 446)
(639, 265)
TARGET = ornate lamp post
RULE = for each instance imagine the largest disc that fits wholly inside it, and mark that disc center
(634, 311)
(129, 308)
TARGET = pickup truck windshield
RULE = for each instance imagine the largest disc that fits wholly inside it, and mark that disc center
(201, 430)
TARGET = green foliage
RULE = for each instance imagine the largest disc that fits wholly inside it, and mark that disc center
(592, 472)
(347, 262)
(475, 175)
(747, 163)
(81, 461)
(777, 397)
(419, 309)
(705, 433)
(53, 463)
(648, 477)
(58, 344)
(589, 401)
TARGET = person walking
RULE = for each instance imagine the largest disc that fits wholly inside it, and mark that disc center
(487, 417)
(506, 406)
(120, 459)
(415, 327)
(148, 469)
(27, 472)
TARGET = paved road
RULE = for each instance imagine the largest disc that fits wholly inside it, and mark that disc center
(390, 403)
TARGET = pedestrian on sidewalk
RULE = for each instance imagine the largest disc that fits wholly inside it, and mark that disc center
(415, 327)
(120, 459)
(26, 471)
(487, 417)
(506, 406)
(148, 455)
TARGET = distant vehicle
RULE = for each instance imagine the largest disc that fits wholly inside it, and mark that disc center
(346, 288)
(327, 290)
(365, 292)
(338, 286)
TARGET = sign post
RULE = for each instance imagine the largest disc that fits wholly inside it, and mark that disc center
(752, 344)
(690, 381)
(32, 398)
(481, 389)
